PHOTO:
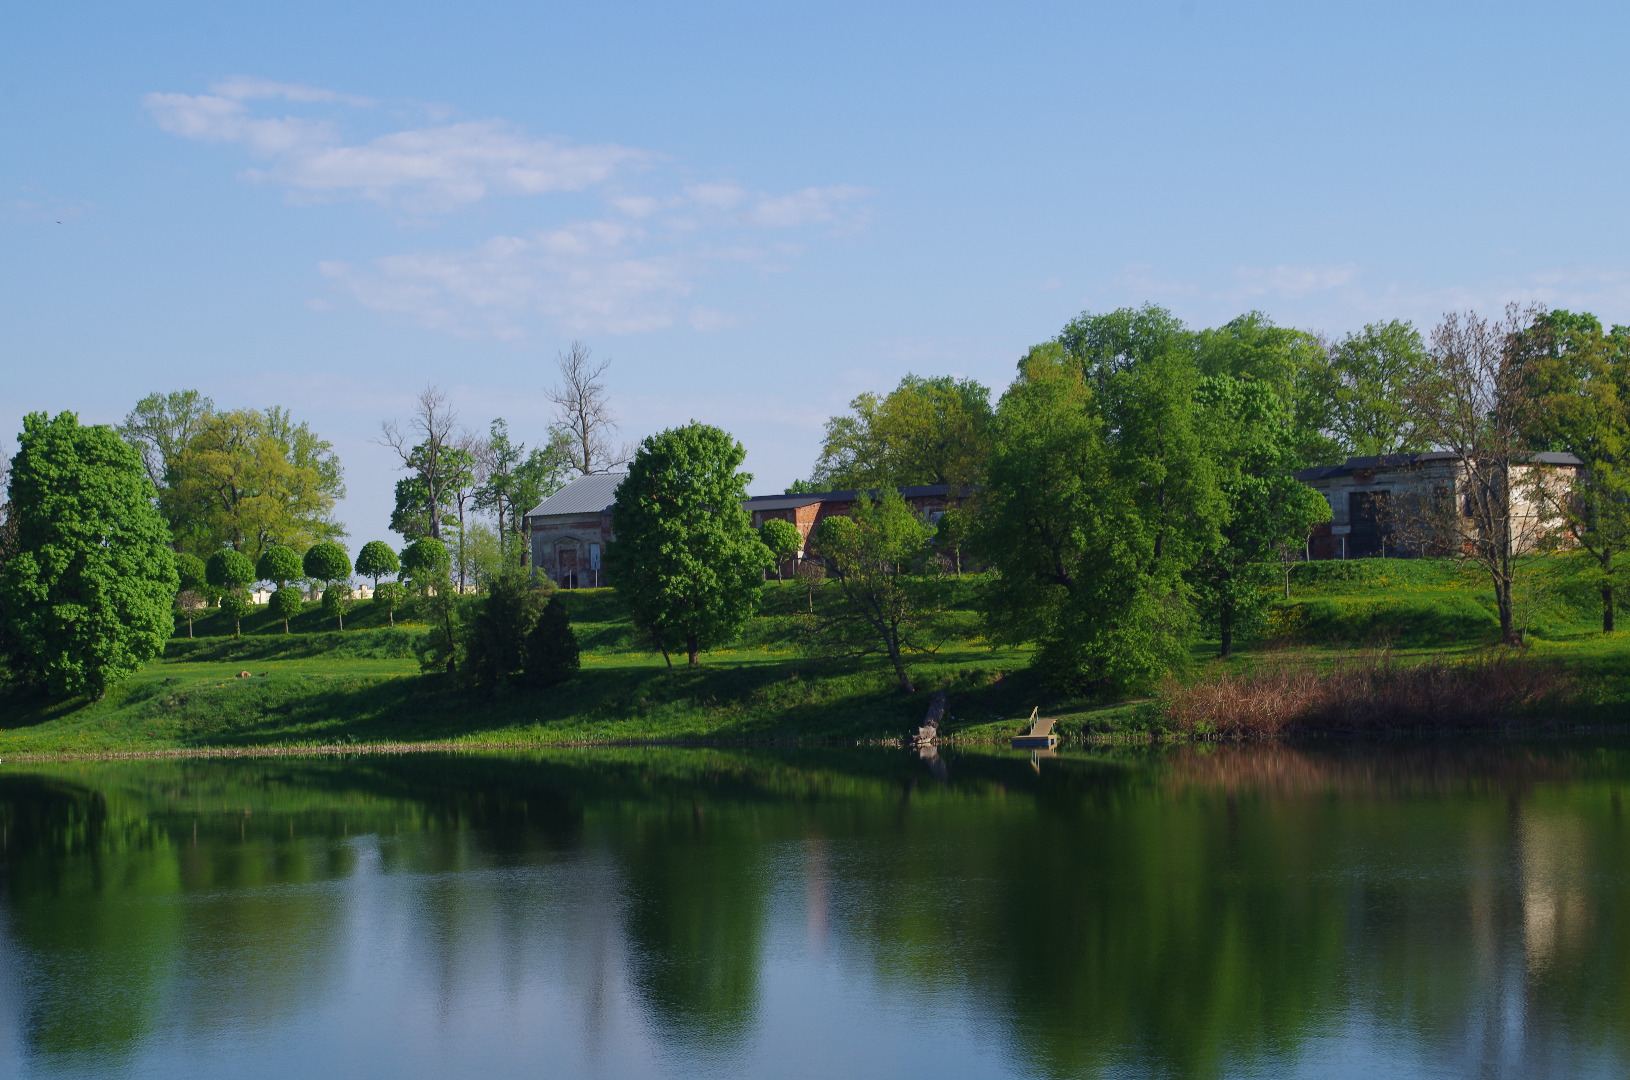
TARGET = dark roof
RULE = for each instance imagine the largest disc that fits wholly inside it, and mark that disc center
(789, 502)
(585, 495)
(1404, 461)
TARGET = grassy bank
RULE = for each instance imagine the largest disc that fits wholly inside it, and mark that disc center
(318, 686)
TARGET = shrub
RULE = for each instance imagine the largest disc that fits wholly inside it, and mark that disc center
(496, 639)
(327, 562)
(376, 560)
(425, 561)
(551, 648)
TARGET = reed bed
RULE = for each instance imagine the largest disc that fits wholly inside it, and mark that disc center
(1373, 692)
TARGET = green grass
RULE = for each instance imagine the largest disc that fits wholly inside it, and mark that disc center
(318, 686)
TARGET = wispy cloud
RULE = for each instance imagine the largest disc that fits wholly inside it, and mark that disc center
(421, 170)
(629, 270)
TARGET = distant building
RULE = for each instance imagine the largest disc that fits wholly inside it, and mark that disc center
(571, 528)
(1362, 490)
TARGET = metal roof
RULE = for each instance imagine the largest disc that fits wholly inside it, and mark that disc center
(1404, 461)
(586, 495)
(789, 502)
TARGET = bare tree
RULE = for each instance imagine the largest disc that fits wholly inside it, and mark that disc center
(161, 426)
(1488, 501)
(423, 445)
(583, 411)
(468, 466)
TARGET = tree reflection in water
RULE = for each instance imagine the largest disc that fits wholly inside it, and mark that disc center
(1443, 909)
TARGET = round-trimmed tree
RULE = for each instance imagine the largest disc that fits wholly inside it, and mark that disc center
(286, 604)
(376, 560)
(784, 541)
(686, 562)
(235, 604)
(228, 570)
(190, 573)
(86, 596)
(426, 561)
(327, 562)
(279, 565)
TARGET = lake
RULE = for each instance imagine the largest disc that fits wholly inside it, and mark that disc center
(1411, 909)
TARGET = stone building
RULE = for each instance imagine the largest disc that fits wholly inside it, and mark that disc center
(571, 528)
(1362, 492)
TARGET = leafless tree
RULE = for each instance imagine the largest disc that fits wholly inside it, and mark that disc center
(466, 476)
(422, 444)
(1487, 504)
(583, 411)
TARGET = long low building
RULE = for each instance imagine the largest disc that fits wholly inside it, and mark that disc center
(571, 528)
(1363, 493)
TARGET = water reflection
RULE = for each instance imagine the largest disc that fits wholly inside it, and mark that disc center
(1408, 910)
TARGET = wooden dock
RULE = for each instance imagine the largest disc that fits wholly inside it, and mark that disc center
(1040, 736)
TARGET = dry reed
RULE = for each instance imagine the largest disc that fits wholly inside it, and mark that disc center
(1366, 692)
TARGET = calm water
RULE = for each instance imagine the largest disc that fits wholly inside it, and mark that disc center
(1258, 912)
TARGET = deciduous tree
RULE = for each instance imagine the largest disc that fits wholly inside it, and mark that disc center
(279, 565)
(376, 560)
(685, 561)
(286, 603)
(422, 443)
(1369, 376)
(924, 431)
(783, 540)
(86, 598)
(583, 411)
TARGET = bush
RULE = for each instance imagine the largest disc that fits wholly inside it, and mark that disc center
(236, 604)
(337, 601)
(389, 596)
(495, 640)
(551, 648)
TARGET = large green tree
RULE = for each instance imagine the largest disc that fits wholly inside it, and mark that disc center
(1102, 495)
(1294, 367)
(686, 562)
(517, 480)
(924, 431)
(1579, 376)
(1266, 510)
(1367, 384)
(86, 596)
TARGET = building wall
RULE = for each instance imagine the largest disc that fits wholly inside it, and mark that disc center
(565, 548)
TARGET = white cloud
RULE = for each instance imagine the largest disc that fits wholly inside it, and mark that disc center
(1292, 282)
(709, 320)
(424, 169)
(588, 277)
(809, 206)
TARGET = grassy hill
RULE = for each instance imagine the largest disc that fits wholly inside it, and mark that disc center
(317, 685)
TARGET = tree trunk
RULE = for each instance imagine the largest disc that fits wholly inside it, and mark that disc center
(1607, 609)
(900, 671)
(285, 626)
(391, 615)
(691, 649)
(340, 615)
(1226, 618)
(189, 625)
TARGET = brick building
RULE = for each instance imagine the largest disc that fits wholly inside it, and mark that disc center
(571, 528)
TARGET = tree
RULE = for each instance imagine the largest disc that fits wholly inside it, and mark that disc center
(1254, 450)
(228, 571)
(426, 563)
(279, 565)
(552, 654)
(516, 480)
(1292, 364)
(411, 515)
(161, 426)
(190, 572)
(495, 638)
(375, 560)
(783, 540)
(810, 573)
(464, 469)
(237, 484)
(337, 601)
(1370, 373)
(423, 446)
(327, 562)
(1579, 376)
(1476, 403)
(1101, 496)
(235, 604)
(389, 596)
(584, 413)
(286, 603)
(925, 431)
(887, 601)
(189, 602)
(86, 597)
(685, 561)
(951, 534)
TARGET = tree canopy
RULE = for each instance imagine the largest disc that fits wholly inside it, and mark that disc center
(377, 560)
(327, 562)
(86, 596)
(686, 562)
(924, 431)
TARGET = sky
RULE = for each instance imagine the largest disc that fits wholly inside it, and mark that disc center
(759, 211)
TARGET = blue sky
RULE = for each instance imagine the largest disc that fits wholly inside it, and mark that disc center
(760, 210)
